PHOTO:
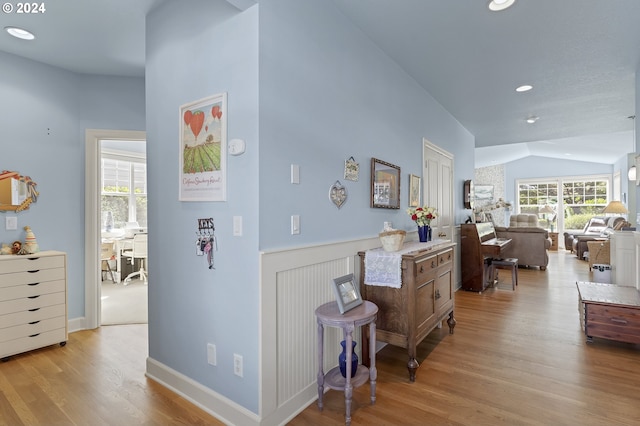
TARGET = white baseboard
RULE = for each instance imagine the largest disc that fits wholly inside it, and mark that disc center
(212, 402)
(76, 324)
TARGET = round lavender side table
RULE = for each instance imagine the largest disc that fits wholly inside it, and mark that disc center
(329, 315)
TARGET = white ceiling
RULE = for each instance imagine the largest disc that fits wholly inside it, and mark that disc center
(580, 55)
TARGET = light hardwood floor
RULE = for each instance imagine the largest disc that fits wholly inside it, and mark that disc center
(516, 358)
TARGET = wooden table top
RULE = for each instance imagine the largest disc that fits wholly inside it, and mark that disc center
(608, 294)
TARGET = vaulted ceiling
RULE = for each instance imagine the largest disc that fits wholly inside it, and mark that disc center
(581, 57)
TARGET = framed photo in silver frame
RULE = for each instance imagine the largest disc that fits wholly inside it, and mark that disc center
(347, 293)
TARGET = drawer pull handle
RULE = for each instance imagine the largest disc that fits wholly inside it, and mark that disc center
(433, 264)
(442, 260)
(34, 297)
(34, 309)
(421, 269)
(34, 271)
(618, 321)
(35, 335)
(33, 322)
(33, 258)
(438, 294)
(32, 284)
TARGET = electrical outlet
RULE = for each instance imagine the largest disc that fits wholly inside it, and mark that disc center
(211, 354)
(237, 365)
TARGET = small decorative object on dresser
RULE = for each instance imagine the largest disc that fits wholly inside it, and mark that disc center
(30, 245)
(423, 216)
(392, 239)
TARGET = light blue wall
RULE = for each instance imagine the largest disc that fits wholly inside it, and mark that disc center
(43, 114)
(326, 94)
(195, 52)
(297, 93)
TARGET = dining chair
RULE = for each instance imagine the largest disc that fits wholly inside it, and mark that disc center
(139, 251)
(107, 253)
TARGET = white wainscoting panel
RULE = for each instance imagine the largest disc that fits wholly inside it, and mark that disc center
(294, 283)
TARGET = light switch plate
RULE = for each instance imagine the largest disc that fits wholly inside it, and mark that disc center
(295, 173)
(237, 226)
(295, 224)
(11, 223)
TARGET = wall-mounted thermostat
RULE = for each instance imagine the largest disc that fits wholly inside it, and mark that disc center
(236, 146)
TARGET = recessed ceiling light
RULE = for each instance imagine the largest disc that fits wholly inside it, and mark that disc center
(498, 5)
(524, 88)
(20, 33)
(532, 119)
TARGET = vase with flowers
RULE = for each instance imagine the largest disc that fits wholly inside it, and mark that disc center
(423, 216)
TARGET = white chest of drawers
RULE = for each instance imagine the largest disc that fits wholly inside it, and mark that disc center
(33, 301)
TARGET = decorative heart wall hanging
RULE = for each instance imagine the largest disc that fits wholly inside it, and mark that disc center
(338, 194)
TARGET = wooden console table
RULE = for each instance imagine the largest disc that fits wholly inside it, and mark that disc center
(609, 311)
(423, 297)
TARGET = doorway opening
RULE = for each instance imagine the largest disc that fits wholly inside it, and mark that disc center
(93, 217)
(123, 233)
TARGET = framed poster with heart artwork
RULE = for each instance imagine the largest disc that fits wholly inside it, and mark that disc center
(203, 149)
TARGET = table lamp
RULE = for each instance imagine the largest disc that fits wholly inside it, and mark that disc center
(546, 209)
(615, 207)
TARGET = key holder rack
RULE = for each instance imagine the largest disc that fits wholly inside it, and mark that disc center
(206, 241)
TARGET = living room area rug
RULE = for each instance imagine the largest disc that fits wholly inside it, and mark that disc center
(124, 304)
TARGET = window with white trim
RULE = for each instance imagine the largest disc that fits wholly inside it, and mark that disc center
(124, 190)
(580, 199)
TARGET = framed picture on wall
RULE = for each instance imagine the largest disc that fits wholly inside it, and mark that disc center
(203, 149)
(414, 191)
(483, 194)
(385, 185)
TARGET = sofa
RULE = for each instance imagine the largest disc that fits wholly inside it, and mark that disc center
(598, 228)
(529, 242)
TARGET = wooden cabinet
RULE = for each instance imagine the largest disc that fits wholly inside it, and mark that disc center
(407, 315)
(33, 301)
(623, 258)
(609, 311)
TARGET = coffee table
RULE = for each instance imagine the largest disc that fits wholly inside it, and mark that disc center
(609, 311)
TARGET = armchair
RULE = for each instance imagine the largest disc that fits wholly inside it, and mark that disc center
(598, 228)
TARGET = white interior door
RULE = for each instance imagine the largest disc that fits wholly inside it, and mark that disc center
(438, 188)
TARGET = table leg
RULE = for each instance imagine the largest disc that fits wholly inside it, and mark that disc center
(451, 322)
(348, 388)
(373, 373)
(320, 364)
(366, 347)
